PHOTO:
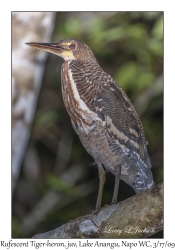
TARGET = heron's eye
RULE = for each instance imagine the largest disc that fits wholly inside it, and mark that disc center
(72, 46)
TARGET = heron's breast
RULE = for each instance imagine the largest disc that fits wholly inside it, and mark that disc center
(81, 115)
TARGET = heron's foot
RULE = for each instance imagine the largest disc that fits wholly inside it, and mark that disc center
(114, 200)
(95, 211)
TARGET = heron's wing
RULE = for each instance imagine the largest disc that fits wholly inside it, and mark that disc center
(122, 121)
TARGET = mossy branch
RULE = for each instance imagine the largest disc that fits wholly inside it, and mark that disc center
(139, 216)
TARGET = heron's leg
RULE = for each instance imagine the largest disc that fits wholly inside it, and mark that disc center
(116, 186)
(102, 178)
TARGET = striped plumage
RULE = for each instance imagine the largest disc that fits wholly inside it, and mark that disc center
(103, 117)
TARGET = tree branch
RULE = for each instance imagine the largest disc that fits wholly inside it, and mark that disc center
(139, 216)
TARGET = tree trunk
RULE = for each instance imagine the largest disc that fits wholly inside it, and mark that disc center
(27, 73)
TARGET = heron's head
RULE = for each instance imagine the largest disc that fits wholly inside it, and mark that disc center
(69, 49)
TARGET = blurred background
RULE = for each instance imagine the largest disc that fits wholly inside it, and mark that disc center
(52, 179)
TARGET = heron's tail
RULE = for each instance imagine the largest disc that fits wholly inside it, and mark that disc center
(137, 174)
(143, 181)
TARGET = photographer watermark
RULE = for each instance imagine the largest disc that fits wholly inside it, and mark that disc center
(129, 230)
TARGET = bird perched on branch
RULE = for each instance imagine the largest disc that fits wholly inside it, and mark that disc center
(103, 117)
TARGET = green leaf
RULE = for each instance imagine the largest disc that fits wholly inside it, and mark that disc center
(145, 79)
(136, 32)
(155, 46)
(46, 118)
(61, 185)
(127, 74)
(157, 30)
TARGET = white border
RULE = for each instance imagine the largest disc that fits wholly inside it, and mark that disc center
(5, 92)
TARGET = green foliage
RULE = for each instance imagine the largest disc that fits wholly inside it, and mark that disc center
(127, 74)
(46, 118)
(15, 228)
(61, 185)
(157, 30)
